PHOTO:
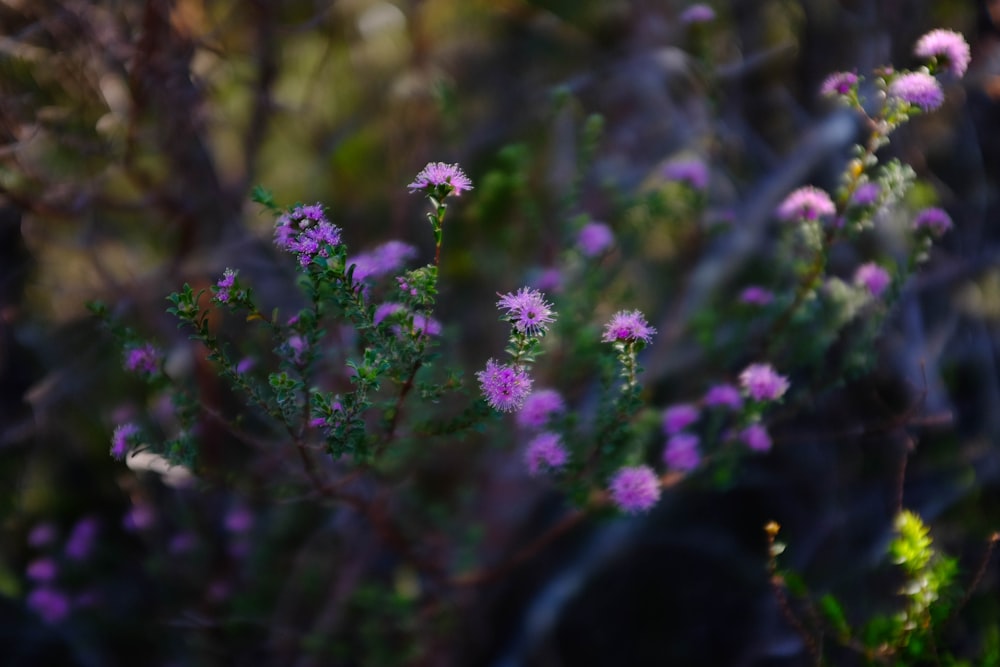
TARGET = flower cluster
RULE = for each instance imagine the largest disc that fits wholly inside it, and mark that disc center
(143, 359)
(306, 232)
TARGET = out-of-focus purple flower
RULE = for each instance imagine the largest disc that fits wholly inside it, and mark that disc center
(527, 311)
(762, 383)
(297, 346)
(239, 520)
(806, 203)
(143, 359)
(426, 325)
(42, 570)
(838, 83)
(723, 395)
(594, 238)
(505, 387)
(121, 440)
(866, 194)
(385, 310)
(919, 89)
(140, 517)
(693, 173)
(681, 452)
(697, 13)
(678, 417)
(634, 489)
(755, 295)
(538, 407)
(872, 277)
(545, 451)
(42, 535)
(80, 542)
(756, 438)
(934, 220)
(383, 259)
(438, 175)
(245, 364)
(948, 47)
(628, 326)
(51, 604)
(549, 280)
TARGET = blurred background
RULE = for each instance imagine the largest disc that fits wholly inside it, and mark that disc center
(131, 134)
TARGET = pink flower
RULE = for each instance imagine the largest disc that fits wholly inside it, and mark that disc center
(527, 310)
(628, 326)
(505, 387)
(762, 383)
(594, 238)
(947, 47)
(725, 395)
(385, 258)
(933, 220)
(545, 451)
(448, 178)
(806, 203)
(838, 83)
(538, 407)
(635, 489)
(681, 452)
(872, 277)
(693, 173)
(122, 439)
(678, 417)
(919, 89)
(756, 438)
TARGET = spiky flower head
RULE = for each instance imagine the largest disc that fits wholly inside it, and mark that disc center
(445, 179)
(806, 203)
(634, 489)
(628, 326)
(919, 89)
(122, 438)
(527, 311)
(504, 386)
(947, 47)
(873, 278)
(934, 220)
(539, 407)
(762, 383)
(681, 452)
(838, 83)
(545, 451)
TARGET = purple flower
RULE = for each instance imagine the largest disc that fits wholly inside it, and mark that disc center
(866, 194)
(934, 220)
(838, 83)
(142, 359)
(80, 542)
(140, 517)
(121, 440)
(872, 277)
(49, 603)
(755, 295)
(678, 417)
(385, 310)
(527, 310)
(806, 203)
(239, 520)
(42, 535)
(692, 173)
(306, 232)
(381, 260)
(635, 489)
(724, 395)
(538, 407)
(762, 383)
(225, 283)
(919, 89)
(681, 452)
(594, 238)
(426, 325)
(245, 364)
(947, 47)
(756, 438)
(438, 175)
(505, 386)
(699, 13)
(545, 451)
(42, 569)
(628, 326)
